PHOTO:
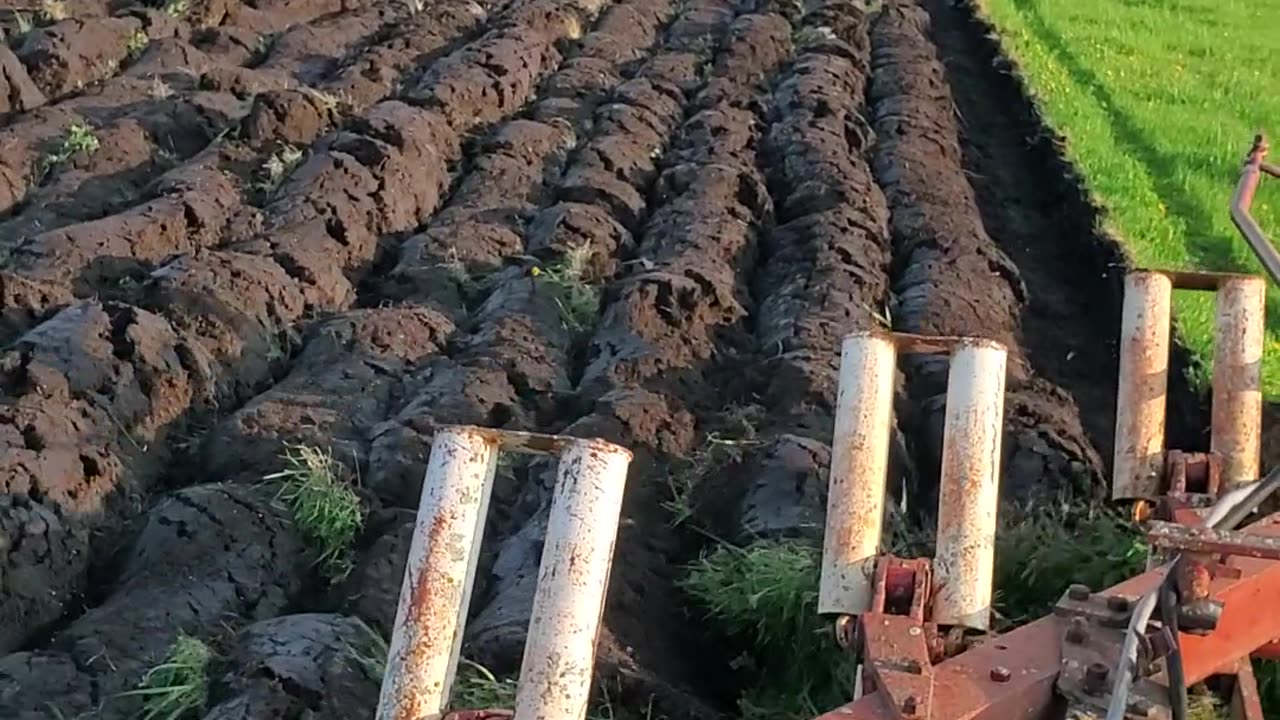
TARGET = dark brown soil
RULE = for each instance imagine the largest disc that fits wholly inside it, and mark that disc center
(327, 222)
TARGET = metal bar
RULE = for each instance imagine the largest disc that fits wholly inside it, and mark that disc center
(1246, 703)
(1237, 379)
(859, 471)
(1202, 280)
(1242, 201)
(436, 591)
(559, 655)
(964, 687)
(970, 485)
(1215, 542)
(1138, 461)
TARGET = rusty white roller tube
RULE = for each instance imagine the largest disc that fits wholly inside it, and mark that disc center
(1237, 379)
(438, 575)
(555, 675)
(859, 470)
(968, 496)
(1138, 461)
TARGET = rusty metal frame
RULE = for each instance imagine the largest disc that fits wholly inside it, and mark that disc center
(1255, 166)
(1013, 676)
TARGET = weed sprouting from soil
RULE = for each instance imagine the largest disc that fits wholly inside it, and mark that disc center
(52, 11)
(764, 597)
(277, 168)
(577, 300)
(326, 510)
(477, 689)
(1041, 551)
(136, 44)
(372, 657)
(175, 8)
(721, 449)
(79, 139)
(23, 22)
(177, 687)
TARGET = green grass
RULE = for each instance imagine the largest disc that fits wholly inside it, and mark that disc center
(577, 300)
(326, 510)
(178, 687)
(763, 598)
(79, 139)
(1159, 101)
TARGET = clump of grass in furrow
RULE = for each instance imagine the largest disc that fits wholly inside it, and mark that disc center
(79, 139)
(136, 45)
(52, 11)
(326, 510)
(276, 168)
(577, 300)
(764, 597)
(178, 687)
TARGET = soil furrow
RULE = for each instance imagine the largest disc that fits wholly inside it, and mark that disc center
(1036, 208)
(436, 268)
(270, 111)
(697, 242)
(222, 317)
(823, 275)
(951, 278)
(210, 556)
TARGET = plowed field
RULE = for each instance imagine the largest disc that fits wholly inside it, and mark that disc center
(232, 227)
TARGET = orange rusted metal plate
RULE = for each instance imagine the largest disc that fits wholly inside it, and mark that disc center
(964, 688)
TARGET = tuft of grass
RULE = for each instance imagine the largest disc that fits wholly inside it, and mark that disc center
(372, 652)
(178, 687)
(764, 599)
(175, 8)
(326, 510)
(277, 167)
(1040, 551)
(577, 300)
(52, 11)
(1158, 102)
(475, 688)
(78, 140)
(136, 44)
(1267, 673)
(23, 22)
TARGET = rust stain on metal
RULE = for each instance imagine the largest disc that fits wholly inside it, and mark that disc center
(1236, 432)
(1142, 386)
(965, 692)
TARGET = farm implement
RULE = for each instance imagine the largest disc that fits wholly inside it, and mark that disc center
(1203, 609)
(920, 628)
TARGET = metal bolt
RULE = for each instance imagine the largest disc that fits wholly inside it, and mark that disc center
(1078, 592)
(1095, 678)
(909, 705)
(1078, 631)
(1118, 603)
(1000, 674)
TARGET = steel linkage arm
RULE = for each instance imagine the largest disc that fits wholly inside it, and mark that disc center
(1242, 200)
(1013, 676)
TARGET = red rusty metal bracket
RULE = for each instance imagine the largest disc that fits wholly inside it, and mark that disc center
(1012, 677)
(898, 645)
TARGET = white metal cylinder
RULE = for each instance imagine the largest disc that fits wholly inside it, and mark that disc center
(969, 492)
(1138, 462)
(1237, 379)
(858, 475)
(441, 567)
(555, 675)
